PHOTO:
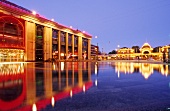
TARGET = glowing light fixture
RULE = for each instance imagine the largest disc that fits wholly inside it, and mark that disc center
(34, 12)
(62, 54)
(52, 19)
(62, 66)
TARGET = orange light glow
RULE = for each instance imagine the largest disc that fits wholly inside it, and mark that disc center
(62, 54)
(71, 93)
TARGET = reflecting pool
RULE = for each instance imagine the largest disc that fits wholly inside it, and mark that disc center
(84, 86)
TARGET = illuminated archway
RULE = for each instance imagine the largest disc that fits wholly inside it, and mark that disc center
(12, 39)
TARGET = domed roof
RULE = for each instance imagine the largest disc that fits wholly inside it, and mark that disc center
(146, 45)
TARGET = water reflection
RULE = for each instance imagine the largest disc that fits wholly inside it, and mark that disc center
(131, 92)
(10, 69)
(145, 69)
(32, 86)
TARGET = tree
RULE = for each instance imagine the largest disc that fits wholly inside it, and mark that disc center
(136, 49)
(156, 49)
(113, 52)
(124, 48)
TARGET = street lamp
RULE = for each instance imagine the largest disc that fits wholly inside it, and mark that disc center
(97, 48)
(97, 51)
(117, 50)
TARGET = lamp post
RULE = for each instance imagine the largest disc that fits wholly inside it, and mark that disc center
(168, 55)
(117, 51)
(97, 51)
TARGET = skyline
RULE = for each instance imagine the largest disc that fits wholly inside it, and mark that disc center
(123, 23)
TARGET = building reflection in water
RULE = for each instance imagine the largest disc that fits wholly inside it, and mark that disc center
(24, 87)
(146, 69)
(12, 90)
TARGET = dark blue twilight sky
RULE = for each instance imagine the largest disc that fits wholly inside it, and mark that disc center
(115, 22)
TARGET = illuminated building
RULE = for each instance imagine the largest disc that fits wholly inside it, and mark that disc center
(27, 36)
(145, 53)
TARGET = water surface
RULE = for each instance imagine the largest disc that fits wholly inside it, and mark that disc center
(85, 86)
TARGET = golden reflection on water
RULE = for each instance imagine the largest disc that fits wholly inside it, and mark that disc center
(96, 67)
(71, 93)
(146, 69)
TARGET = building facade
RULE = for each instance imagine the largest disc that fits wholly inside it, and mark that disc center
(27, 36)
(94, 51)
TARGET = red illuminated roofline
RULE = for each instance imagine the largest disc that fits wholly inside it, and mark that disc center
(25, 11)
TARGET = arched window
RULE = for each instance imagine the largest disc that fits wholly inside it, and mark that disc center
(11, 32)
(11, 29)
(146, 52)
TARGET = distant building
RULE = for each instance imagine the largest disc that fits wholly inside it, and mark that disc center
(146, 52)
(95, 51)
(27, 36)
